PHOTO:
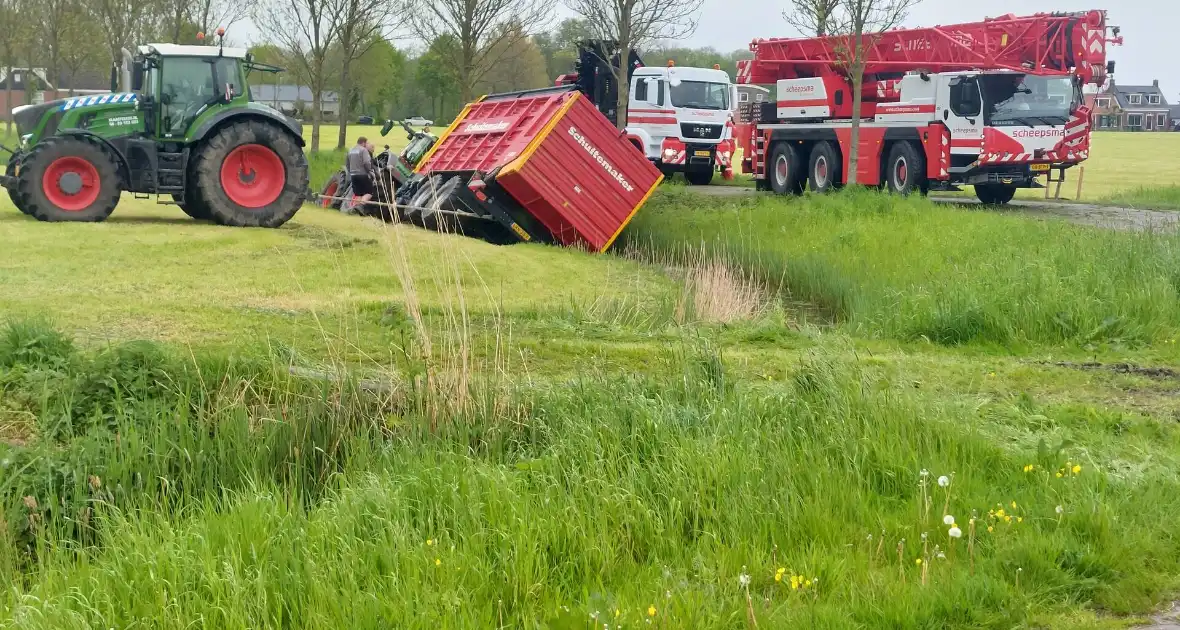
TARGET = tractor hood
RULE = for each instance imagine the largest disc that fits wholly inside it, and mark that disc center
(97, 99)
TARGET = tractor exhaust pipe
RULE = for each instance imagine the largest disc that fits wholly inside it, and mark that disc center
(126, 70)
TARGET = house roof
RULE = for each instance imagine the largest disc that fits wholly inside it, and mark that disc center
(287, 94)
(1122, 92)
(18, 77)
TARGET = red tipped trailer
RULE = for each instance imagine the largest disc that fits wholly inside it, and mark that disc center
(536, 166)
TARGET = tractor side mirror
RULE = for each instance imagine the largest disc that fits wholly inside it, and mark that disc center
(136, 76)
(386, 127)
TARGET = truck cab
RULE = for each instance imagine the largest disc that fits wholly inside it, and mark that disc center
(682, 120)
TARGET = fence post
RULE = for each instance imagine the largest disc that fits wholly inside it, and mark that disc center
(1081, 177)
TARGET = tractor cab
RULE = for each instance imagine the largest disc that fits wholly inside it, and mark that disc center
(177, 85)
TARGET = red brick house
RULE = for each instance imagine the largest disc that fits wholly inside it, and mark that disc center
(36, 81)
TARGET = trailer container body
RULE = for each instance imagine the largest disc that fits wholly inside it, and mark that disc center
(551, 154)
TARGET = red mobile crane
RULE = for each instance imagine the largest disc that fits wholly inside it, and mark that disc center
(992, 104)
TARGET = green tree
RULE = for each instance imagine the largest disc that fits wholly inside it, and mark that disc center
(438, 76)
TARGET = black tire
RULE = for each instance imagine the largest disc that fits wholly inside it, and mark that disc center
(260, 143)
(85, 168)
(787, 173)
(994, 194)
(823, 172)
(330, 194)
(422, 199)
(444, 198)
(905, 169)
(14, 192)
(192, 205)
(699, 178)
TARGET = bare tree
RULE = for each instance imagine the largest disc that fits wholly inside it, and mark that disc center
(635, 24)
(811, 17)
(362, 24)
(122, 22)
(307, 29)
(483, 30)
(84, 49)
(857, 25)
(208, 15)
(12, 36)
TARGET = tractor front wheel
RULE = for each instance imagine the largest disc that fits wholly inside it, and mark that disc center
(251, 174)
(68, 179)
(14, 192)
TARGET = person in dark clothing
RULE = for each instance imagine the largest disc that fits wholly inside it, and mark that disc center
(360, 169)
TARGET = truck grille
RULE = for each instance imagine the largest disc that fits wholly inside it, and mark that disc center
(700, 131)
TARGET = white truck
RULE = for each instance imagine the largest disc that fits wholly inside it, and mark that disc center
(682, 119)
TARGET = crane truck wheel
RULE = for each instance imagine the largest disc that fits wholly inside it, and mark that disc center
(994, 194)
(824, 168)
(787, 173)
(68, 178)
(14, 193)
(699, 178)
(251, 174)
(905, 169)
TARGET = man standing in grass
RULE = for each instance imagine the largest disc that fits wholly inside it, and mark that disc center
(360, 167)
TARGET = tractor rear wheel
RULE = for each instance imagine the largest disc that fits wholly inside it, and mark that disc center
(251, 174)
(192, 205)
(68, 178)
(330, 196)
(14, 192)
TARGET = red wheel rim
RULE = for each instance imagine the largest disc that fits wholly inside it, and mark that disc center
(252, 176)
(333, 186)
(71, 183)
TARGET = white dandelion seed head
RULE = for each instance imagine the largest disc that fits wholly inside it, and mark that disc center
(955, 532)
(941, 556)
(923, 536)
(1060, 509)
(744, 579)
(924, 473)
(948, 520)
(944, 481)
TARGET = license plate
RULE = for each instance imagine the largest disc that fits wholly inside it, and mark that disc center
(1039, 168)
(701, 153)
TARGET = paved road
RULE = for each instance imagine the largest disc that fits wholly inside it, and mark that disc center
(1087, 214)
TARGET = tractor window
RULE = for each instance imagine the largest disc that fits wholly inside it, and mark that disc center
(227, 74)
(186, 85)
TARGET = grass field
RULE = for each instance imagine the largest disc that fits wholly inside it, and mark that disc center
(739, 418)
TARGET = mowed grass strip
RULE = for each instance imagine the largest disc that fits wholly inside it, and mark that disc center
(889, 267)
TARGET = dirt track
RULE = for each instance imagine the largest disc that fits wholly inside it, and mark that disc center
(1111, 217)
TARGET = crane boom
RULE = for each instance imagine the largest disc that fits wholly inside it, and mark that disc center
(1044, 43)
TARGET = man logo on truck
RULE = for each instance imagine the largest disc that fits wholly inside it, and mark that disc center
(597, 155)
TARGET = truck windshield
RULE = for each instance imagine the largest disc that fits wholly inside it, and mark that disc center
(700, 95)
(1025, 99)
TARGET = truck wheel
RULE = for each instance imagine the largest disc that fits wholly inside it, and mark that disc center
(330, 196)
(905, 169)
(787, 175)
(69, 179)
(14, 192)
(825, 168)
(994, 194)
(699, 178)
(251, 174)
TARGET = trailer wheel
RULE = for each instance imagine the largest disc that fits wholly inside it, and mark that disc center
(994, 194)
(825, 168)
(787, 175)
(422, 199)
(905, 169)
(444, 199)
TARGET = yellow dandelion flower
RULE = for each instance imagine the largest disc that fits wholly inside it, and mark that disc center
(651, 611)
(807, 584)
(778, 577)
(918, 561)
(1007, 519)
(1059, 474)
(1013, 505)
(1019, 519)
(437, 562)
(1000, 512)
(990, 529)
(429, 542)
(794, 582)
(1077, 469)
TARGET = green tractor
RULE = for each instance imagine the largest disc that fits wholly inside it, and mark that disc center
(187, 132)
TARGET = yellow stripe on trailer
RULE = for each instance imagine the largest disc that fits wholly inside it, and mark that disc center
(535, 143)
(632, 215)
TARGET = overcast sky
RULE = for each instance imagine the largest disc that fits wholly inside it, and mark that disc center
(1149, 29)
